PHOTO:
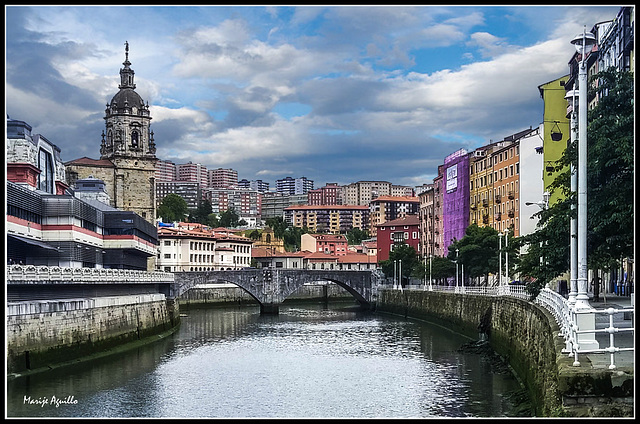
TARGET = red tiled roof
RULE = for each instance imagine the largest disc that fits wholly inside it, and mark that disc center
(407, 220)
(92, 162)
(410, 199)
(356, 258)
(331, 207)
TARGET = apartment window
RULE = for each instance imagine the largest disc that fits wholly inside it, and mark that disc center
(167, 255)
(167, 242)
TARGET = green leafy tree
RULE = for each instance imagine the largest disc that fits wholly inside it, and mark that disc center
(610, 188)
(293, 238)
(356, 235)
(278, 225)
(231, 219)
(254, 235)
(478, 251)
(173, 208)
(410, 262)
(201, 213)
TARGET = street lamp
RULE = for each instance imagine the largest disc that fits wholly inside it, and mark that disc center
(500, 259)
(430, 280)
(573, 280)
(583, 43)
(457, 252)
(506, 256)
(542, 204)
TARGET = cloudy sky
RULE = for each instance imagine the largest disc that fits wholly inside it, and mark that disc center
(335, 94)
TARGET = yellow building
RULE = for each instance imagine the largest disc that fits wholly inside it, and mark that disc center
(556, 129)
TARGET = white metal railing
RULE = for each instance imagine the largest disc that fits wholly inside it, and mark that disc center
(565, 314)
(35, 273)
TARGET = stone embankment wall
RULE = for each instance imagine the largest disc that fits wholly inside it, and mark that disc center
(211, 294)
(42, 334)
(527, 336)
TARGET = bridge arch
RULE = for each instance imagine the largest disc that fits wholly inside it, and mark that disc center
(270, 287)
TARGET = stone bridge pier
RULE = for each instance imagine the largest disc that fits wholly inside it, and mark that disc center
(271, 286)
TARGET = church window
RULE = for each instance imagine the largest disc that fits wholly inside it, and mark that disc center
(109, 138)
(134, 139)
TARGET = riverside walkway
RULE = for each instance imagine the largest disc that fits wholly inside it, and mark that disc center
(623, 339)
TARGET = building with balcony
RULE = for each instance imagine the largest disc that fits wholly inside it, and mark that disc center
(257, 185)
(165, 171)
(193, 172)
(333, 244)
(403, 230)
(189, 190)
(336, 219)
(293, 186)
(330, 194)
(246, 203)
(388, 208)
(506, 187)
(455, 211)
(556, 129)
(194, 247)
(426, 217)
(222, 178)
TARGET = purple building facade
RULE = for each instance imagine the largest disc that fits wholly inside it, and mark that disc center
(455, 208)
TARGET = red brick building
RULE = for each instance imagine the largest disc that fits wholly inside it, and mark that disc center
(401, 230)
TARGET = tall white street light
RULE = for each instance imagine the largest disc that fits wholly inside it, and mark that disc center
(430, 280)
(573, 281)
(395, 278)
(457, 251)
(583, 43)
(506, 256)
(500, 259)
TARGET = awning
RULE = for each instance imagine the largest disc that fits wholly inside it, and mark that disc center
(33, 242)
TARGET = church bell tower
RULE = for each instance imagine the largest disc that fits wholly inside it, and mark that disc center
(127, 141)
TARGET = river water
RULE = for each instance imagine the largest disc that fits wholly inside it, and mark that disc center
(310, 361)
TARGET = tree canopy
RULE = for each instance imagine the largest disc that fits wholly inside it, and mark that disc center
(173, 208)
(610, 188)
(405, 254)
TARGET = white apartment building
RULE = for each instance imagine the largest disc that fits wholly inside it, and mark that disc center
(194, 247)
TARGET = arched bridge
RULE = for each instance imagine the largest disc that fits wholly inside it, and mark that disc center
(270, 286)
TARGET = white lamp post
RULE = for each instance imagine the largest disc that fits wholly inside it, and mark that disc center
(457, 251)
(500, 259)
(573, 282)
(430, 279)
(506, 256)
(583, 43)
(395, 278)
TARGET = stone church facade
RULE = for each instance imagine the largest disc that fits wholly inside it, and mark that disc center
(127, 152)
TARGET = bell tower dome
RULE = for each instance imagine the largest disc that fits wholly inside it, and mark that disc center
(127, 142)
(127, 120)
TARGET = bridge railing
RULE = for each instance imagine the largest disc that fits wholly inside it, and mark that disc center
(565, 314)
(43, 273)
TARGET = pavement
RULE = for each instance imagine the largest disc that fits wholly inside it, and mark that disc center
(621, 339)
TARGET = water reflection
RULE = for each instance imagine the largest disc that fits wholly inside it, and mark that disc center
(308, 361)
